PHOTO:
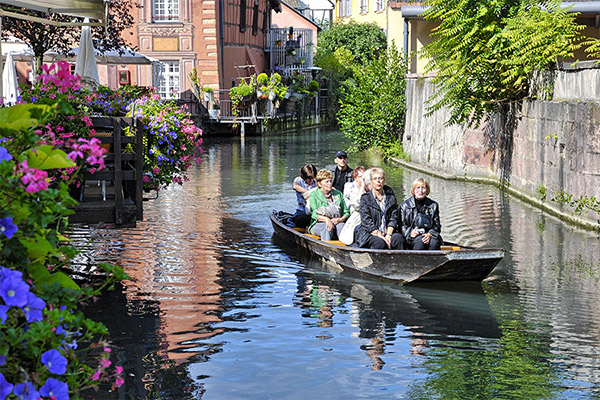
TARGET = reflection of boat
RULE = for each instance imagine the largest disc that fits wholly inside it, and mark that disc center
(458, 309)
(452, 263)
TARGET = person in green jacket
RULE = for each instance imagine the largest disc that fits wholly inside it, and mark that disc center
(328, 208)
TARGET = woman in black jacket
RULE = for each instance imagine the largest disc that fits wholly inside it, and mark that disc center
(420, 216)
(379, 216)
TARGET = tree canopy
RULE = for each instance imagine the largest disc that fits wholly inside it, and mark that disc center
(364, 40)
(485, 51)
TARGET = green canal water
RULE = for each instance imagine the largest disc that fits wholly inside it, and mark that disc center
(218, 308)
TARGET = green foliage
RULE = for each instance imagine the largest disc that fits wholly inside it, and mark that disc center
(579, 205)
(374, 103)
(34, 252)
(337, 68)
(365, 40)
(541, 192)
(485, 51)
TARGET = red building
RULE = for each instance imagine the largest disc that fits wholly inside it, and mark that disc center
(223, 39)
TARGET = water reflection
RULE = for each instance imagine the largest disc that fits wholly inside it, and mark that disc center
(217, 309)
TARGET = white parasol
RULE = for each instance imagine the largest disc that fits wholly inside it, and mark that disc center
(10, 85)
(85, 65)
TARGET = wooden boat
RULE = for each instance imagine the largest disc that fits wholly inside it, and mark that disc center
(451, 263)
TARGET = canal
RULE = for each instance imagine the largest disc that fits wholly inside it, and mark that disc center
(218, 308)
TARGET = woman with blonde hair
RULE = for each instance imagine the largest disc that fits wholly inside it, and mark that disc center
(379, 215)
(420, 216)
(328, 208)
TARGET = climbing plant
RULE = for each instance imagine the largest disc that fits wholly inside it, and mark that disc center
(484, 52)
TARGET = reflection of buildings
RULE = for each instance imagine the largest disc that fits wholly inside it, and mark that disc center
(177, 261)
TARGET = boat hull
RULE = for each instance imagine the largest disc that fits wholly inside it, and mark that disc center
(403, 266)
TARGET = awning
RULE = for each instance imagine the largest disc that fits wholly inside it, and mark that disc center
(93, 9)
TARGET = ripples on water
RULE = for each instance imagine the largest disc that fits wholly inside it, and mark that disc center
(218, 309)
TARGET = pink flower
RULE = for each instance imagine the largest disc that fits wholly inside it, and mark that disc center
(96, 375)
(119, 369)
(104, 363)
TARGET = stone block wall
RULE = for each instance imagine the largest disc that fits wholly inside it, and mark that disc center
(555, 145)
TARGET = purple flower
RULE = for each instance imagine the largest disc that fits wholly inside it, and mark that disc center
(56, 388)
(5, 387)
(26, 391)
(33, 308)
(4, 155)
(4, 312)
(56, 362)
(12, 288)
(60, 330)
(69, 346)
(7, 227)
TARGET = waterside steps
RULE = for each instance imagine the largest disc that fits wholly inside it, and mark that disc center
(113, 195)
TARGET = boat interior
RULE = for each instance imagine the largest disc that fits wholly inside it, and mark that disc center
(339, 243)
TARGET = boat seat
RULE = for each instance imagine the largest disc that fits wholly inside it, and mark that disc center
(301, 230)
(336, 242)
(454, 248)
(313, 236)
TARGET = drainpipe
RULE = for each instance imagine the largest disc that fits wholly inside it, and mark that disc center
(406, 40)
(222, 43)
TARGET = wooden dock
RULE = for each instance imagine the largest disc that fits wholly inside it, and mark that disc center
(113, 195)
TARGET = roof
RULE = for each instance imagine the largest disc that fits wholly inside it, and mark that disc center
(297, 11)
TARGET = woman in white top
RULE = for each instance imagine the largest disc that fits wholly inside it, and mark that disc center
(352, 192)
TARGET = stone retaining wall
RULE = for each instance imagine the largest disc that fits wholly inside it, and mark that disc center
(555, 145)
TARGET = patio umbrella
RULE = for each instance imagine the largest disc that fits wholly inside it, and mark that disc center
(10, 85)
(85, 65)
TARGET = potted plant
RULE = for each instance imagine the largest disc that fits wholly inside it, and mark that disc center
(313, 87)
(214, 111)
(207, 94)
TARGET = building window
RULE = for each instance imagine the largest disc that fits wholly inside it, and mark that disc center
(364, 6)
(345, 8)
(165, 10)
(243, 16)
(255, 19)
(168, 87)
(379, 4)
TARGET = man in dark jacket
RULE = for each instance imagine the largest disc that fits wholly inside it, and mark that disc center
(341, 172)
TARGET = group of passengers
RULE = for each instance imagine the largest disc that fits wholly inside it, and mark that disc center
(356, 207)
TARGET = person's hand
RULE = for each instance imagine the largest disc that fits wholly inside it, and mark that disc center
(388, 240)
(330, 225)
(427, 237)
(306, 195)
(414, 233)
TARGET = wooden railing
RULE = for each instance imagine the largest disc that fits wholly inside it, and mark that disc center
(114, 194)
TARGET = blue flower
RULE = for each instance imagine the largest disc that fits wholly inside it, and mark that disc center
(12, 288)
(69, 346)
(4, 313)
(56, 362)
(4, 155)
(26, 391)
(7, 227)
(2, 360)
(5, 387)
(60, 330)
(56, 388)
(33, 308)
